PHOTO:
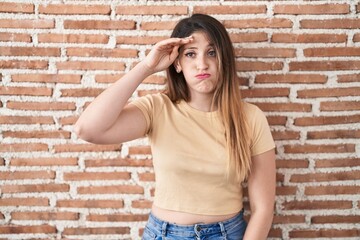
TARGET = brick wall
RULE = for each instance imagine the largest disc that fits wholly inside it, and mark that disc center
(297, 60)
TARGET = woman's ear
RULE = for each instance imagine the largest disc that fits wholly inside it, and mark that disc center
(177, 65)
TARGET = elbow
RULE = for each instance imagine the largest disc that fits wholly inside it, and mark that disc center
(81, 132)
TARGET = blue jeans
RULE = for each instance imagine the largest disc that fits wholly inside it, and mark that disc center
(231, 229)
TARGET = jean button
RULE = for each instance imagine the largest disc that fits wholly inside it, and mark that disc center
(198, 228)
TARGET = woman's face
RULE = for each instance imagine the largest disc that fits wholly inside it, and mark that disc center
(198, 62)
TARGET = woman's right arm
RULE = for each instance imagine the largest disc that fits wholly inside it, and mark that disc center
(108, 119)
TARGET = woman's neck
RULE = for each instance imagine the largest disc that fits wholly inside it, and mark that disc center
(201, 103)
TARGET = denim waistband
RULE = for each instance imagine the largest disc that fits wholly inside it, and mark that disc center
(196, 229)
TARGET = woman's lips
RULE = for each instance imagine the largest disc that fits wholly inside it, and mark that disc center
(203, 75)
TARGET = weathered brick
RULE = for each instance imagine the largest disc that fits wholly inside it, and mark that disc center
(60, 134)
(43, 161)
(329, 148)
(90, 203)
(332, 190)
(312, 9)
(45, 216)
(340, 106)
(324, 65)
(291, 78)
(27, 24)
(291, 163)
(90, 65)
(284, 107)
(308, 38)
(23, 147)
(146, 204)
(29, 201)
(15, 37)
(72, 38)
(118, 163)
(147, 177)
(265, 52)
(118, 217)
(349, 78)
(114, 189)
(230, 9)
(101, 52)
(14, 229)
(339, 162)
(324, 177)
(139, 150)
(139, 40)
(329, 92)
(285, 135)
(8, 7)
(346, 23)
(265, 92)
(259, 23)
(258, 66)
(332, 52)
(30, 188)
(335, 219)
(96, 231)
(78, 9)
(163, 25)
(41, 106)
(315, 205)
(324, 233)
(29, 51)
(47, 78)
(22, 64)
(248, 37)
(99, 24)
(333, 134)
(15, 175)
(91, 176)
(25, 119)
(85, 148)
(151, 10)
(326, 120)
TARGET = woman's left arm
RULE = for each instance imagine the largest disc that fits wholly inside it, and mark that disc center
(261, 188)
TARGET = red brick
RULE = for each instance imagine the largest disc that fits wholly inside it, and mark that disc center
(23, 147)
(333, 134)
(308, 38)
(291, 78)
(330, 148)
(326, 120)
(30, 91)
(14, 229)
(340, 106)
(99, 24)
(324, 177)
(139, 40)
(118, 163)
(47, 78)
(284, 107)
(118, 217)
(107, 78)
(151, 10)
(147, 177)
(91, 176)
(27, 23)
(96, 231)
(258, 66)
(230, 9)
(331, 24)
(90, 203)
(265, 92)
(25, 119)
(312, 9)
(43, 161)
(324, 233)
(259, 23)
(35, 188)
(20, 64)
(140, 150)
(163, 25)
(332, 190)
(42, 106)
(278, 219)
(81, 92)
(335, 219)
(113, 189)
(249, 37)
(101, 52)
(29, 51)
(68, 9)
(324, 65)
(340, 162)
(68, 120)
(277, 120)
(9, 7)
(285, 135)
(275, 233)
(285, 190)
(85, 148)
(329, 92)
(15, 37)
(332, 52)
(72, 38)
(15, 175)
(292, 163)
(144, 204)
(317, 205)
(60, 134)
(93, 65)
(356, 37)
(45, 216)
(29, 201)
(265, 52)
(348, 78)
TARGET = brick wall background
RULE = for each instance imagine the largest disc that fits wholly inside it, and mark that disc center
(297, 60)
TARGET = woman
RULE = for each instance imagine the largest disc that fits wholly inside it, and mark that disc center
(205, 140)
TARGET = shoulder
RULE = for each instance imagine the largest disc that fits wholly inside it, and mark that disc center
(251, 111)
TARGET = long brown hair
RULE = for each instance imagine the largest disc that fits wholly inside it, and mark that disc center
(227, 97)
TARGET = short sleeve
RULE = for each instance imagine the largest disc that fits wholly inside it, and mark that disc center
(146, 105)
(261, 139)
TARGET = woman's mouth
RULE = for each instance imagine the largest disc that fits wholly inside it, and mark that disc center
(203, 75)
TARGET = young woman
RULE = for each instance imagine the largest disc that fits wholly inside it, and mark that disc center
(205, 140)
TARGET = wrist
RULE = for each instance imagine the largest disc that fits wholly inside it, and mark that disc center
(145, 69)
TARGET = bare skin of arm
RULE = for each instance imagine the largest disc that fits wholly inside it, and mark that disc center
(108, 119)
(261, 188)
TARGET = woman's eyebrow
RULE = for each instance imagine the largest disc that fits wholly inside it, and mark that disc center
(210, 45)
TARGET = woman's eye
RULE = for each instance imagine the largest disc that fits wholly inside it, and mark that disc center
(212, 53)
(190, 54)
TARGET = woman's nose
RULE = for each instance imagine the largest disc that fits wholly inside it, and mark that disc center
(201, 63)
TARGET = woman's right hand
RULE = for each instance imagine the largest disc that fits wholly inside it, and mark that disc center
(164, 53)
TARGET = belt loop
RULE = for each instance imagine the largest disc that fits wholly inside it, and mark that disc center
(163, 229)
(223, 231)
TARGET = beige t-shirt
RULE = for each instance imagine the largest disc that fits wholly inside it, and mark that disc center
(189, 155)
